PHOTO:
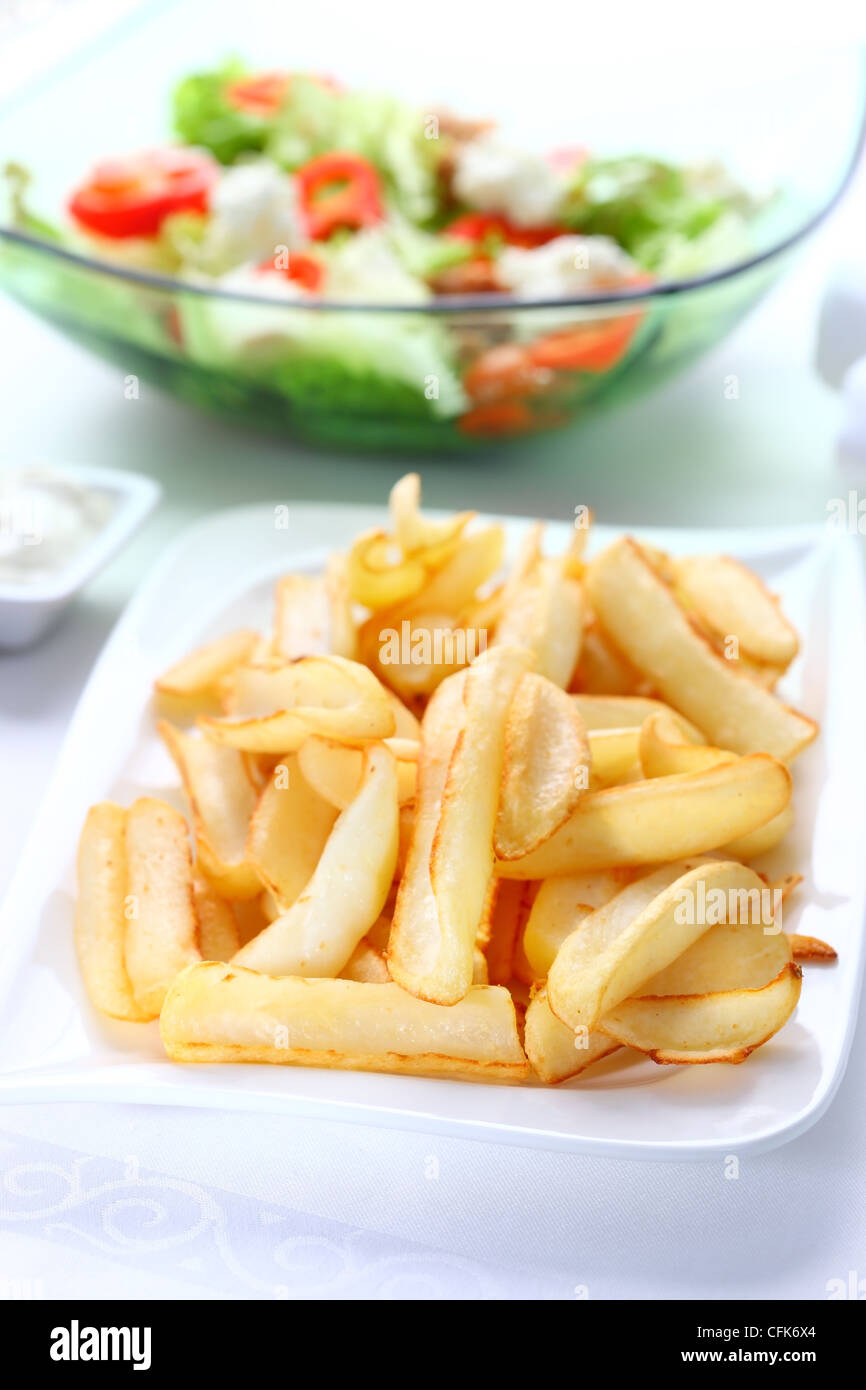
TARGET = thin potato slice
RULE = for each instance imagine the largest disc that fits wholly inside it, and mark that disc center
(222, 1013)
(719, 1027)
(288, 832)
(380, 576)
(196, 677)
(442, 896)
(544, 612)
(100, 913)
(222, 798)
(546, 768)
(432, 540)
(664, 818)
(161, 930)
(554, 1051)
(642, 615)
(620, 946)
(218, 935)
(348, 889)
(731, 600)
(272, 710)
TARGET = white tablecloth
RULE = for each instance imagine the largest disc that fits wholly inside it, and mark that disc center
(114, 1201)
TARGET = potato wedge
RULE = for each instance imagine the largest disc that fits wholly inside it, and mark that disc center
(288, 832)
(628, 712)
(546, 768)
(719, 1027)
(218, 935)
(558, 909)
(811, 948)
(510, 912)
(443, 892)
(620, 946)
(272, 710)
(643, 616)
(554, 1052)
(196, 677)
(161, 929)
(366, 965)
(544, 612)
(431, 540)
(100, 913)
(335, 770)
(348, 889)
(301, 617)
(222, 1013)
(731, 600)
(613, 756)
(222, 797)
(663, 818)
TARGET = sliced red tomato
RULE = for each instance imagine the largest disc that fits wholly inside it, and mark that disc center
(568, 158)
(594, 348)
(501, 417)
(504, 371)
(302, 269)
(478, 226)
(338, 190)
(132, 196)
(261, 95)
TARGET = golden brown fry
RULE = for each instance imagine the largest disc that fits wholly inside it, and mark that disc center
(222, 1013)
(218, 936)
(100, 913)
(161, 929)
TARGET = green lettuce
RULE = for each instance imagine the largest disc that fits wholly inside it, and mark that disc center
(646, 205)
(202, 115)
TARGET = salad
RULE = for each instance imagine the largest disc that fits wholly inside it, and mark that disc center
(292, 189)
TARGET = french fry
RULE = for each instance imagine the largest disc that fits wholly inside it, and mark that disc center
(195, 678)
(454, 586)
(100, 913)
(544, 612)
(718, 1027)
(380, 575)
(659, 819)
(546, 767)
(161, 928)
(348, 889)
(601, 669)
(665, 751)
(432, 540)
(222, 797)
(366, 965)
(559, 907)
(554, 1051)
(272, 710)
(509, 915)
(218, 935)
(620, 946)
(642, 615)
(442, 894)
(613, 755)
(301, 617)
(222, 1013)
(335, 771)
(628, 712)
(732, 602)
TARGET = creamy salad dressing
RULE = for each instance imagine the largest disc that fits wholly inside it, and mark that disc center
(47, 520)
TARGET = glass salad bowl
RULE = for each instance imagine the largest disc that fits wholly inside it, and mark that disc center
(456, 372)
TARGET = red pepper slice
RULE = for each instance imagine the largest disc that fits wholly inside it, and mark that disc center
(497, 418)
(338, 190)
(478, 226)
(302, 269)
(261, 95)
(131, 197)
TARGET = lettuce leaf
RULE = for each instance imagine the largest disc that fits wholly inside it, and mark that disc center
(646, 205)
(202, 115)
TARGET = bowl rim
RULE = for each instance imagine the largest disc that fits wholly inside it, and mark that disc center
(449, 304)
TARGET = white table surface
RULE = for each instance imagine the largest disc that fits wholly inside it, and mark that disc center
(139, 1202)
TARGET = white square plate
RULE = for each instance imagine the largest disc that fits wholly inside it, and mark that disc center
(54, 1047)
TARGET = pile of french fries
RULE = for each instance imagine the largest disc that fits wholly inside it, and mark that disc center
(445, 822)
